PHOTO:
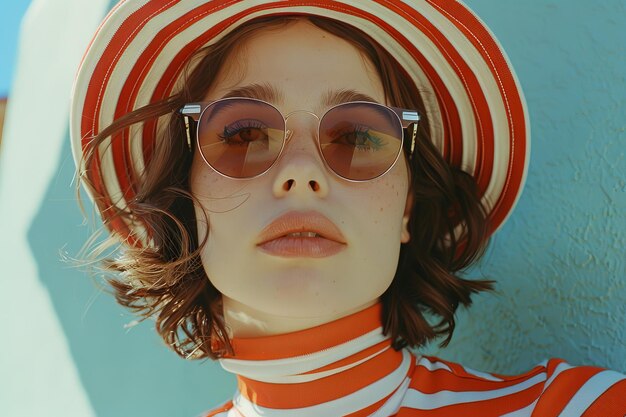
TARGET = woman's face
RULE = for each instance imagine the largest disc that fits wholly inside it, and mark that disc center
(304, 65)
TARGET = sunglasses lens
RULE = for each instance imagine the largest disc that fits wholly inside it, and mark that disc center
(360, 141)
(240, 138)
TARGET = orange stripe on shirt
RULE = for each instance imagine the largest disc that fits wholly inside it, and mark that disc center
(309, 340)
(367, 411)
(222, 409)
(495, 407)
(430, 382)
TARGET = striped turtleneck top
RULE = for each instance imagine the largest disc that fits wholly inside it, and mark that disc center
(348, 368)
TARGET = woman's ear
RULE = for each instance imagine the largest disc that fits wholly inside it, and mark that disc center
(405, 236)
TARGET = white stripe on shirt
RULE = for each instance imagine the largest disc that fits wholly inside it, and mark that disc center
(590, 391)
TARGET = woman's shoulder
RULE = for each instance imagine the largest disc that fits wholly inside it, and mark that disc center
(552, 387)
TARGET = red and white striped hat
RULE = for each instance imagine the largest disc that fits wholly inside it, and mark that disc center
(479, 120)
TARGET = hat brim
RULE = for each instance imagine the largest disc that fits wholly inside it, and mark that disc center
(479, 119)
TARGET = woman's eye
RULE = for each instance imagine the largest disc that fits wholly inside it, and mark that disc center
(243, 132)
(359, 137)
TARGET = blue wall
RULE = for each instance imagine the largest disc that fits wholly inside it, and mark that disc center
(559, 260)
(11, 13)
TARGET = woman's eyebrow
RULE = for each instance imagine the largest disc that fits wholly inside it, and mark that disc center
(265, 92)
(271, 94)
(334, 97)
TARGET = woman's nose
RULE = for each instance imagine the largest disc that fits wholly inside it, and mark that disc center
(300, 169)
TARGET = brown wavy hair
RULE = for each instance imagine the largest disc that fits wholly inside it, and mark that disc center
(166, 280)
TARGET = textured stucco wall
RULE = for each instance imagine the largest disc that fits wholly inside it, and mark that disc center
(560, 259)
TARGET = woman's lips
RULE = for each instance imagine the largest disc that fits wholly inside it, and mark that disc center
(301, 234)
(309, 247)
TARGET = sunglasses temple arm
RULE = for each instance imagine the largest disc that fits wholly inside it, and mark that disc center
(188, 132)
(413, 138)
(190, 111)
(409, 119)
(410, 131)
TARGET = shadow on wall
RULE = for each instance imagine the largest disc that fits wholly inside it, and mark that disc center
(125, 371)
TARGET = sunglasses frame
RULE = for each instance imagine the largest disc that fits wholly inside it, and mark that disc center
(406, 118)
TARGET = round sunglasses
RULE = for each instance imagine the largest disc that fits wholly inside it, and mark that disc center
(242, 138)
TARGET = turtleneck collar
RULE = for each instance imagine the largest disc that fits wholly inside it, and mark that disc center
(345, 367)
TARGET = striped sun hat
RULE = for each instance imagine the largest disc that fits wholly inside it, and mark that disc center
(479, 119)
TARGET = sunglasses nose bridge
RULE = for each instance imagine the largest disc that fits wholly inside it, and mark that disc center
(301, 111)
(289, 132)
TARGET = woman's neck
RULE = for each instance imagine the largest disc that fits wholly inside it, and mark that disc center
(245, 321)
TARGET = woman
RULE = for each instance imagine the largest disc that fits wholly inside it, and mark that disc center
(298, 186)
